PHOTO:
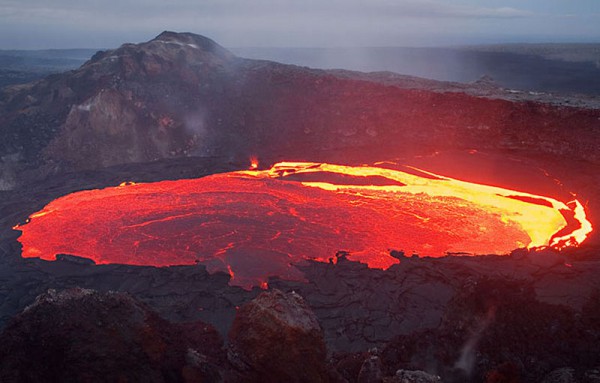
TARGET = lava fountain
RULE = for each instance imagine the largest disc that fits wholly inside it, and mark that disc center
(255, 224)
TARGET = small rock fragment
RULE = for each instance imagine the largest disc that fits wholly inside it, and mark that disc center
(407, 376)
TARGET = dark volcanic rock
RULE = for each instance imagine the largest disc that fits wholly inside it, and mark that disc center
(182, 94)
(370, 371)
(349, 365)
(405, 376)
(276, 338)
(562, 375)
(132, 104)
(81, 335)
(497, 330)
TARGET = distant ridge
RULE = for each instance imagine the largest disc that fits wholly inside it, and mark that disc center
(181, 95)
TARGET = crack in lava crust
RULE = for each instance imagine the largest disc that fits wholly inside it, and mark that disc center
(260, 223)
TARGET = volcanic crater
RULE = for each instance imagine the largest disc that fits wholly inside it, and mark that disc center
(255, 224)
(142, 158)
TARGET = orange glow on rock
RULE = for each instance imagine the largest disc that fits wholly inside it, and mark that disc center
(258, 223)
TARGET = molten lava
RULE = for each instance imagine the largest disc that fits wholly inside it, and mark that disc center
(259, 223)
(253, 163)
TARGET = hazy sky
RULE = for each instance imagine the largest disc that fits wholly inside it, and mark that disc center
(33, 24)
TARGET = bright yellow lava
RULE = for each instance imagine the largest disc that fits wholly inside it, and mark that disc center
(539, 221)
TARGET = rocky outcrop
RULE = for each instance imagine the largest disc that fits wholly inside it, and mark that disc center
(81, 335)
(277, 338)
(133, 104)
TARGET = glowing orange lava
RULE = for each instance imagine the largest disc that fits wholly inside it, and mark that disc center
(253, 163)
(259, 223)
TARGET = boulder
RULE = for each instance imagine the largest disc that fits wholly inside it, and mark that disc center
(80, 335)
(276, 338)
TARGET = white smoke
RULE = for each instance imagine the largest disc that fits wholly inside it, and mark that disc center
(6, 184)
(466, 361)
(8, 179)
(195, 125)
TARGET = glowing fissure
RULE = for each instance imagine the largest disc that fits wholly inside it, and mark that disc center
(255, 224)
(578, 235)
